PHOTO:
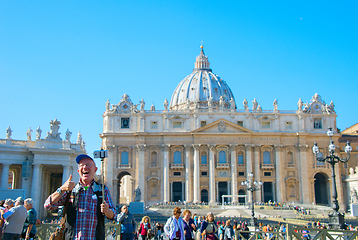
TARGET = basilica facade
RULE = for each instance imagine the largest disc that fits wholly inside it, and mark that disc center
(203, 144)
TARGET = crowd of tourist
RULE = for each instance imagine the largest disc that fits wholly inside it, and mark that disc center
(17, 219)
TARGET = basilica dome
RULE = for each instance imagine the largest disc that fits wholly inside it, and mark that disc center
(202, 89)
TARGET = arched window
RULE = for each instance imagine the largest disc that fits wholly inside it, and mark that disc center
(204, 158)
(124, 158)
(240, 158)
(267, 159)
(222, 157)
(290, 158)
(177, 157)
(153, 158)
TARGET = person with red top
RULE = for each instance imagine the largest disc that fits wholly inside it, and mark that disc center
(144, 227)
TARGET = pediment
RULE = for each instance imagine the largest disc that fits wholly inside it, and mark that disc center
(221, 126)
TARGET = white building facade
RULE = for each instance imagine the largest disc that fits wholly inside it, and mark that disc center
(39, 166)
(202, 146)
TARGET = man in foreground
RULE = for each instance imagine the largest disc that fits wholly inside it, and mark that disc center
(85, 210)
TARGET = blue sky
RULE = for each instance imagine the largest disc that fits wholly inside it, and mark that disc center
(64, 59)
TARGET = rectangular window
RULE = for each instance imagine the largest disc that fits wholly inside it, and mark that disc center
(204, 173)
(154, 125)
(266, 124)
(317, 123)
(240, 123)
(241, 173)
(176, 124)
(202, 123)
(203, 159)
(288, 125)
(124, 122)
(267, 174)
(177, 173)
(240, 159)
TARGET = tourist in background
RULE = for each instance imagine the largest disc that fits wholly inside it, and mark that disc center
(29, 229)
(174, 227)
(189, 225)
(209, 228)
(144, 227)
(228, 231)
(127, 221)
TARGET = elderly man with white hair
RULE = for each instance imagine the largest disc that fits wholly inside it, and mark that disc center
(29, 229)
(15, 219)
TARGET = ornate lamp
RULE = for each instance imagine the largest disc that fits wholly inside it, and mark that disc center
(252, 185)
(336, 219)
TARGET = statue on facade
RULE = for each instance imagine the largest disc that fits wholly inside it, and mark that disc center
(68, 135)
(55, 126)
(137, 194)
(108, 105)
(28, 134)
(38, 133)
(254, 104)
(152, 108)
(79, 138)
(232, 103)
(300, 104)
(275, 105)
(330, 107)
(259, 108)
(246, 107)
(142, 104)
(221, 102)
(8, 132)
(166, 104)
(210, 102)
(354, 198)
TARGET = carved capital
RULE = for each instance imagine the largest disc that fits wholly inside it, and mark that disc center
(279, 147)
(196, 147)
(187, 147)
(233, 146)
(257, 148)
(141, 147)
(303, 148)
(111, 147)
(212, 147)
(165, 147)
(248, 147)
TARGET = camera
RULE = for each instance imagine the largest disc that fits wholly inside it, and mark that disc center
(100, 154)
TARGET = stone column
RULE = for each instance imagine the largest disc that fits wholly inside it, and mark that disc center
(66, 173)
(248, 150)
(280, 184)
(141, 181)
(212, 190)
(36, 186)
(165, 181)
(257, 171)
(196, 174)
(188, 173)
(304, 174)
(110, 165)
(5, 176)
(233, 172)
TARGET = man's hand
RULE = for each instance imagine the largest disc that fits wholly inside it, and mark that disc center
(68, 185)
(105, 209)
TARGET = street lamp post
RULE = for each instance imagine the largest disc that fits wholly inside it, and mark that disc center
(252, 185)
(336, 219)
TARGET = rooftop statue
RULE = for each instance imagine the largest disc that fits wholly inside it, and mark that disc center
(28, 133)
(8, 132)
(38, 133)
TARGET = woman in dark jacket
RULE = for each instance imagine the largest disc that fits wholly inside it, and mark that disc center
(209, 228)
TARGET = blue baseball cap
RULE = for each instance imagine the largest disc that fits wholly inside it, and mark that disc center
(82, 156)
